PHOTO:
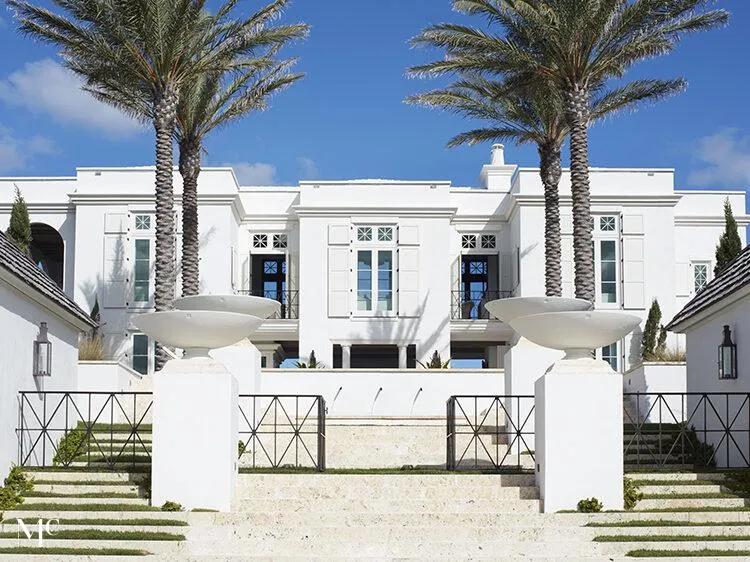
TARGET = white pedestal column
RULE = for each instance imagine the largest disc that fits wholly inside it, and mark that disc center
(525, 363)
(579, 435)
(195, 434)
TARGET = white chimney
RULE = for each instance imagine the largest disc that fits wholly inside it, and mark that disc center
(498, 155)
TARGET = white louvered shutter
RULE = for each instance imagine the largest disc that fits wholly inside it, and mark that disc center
(116, 264)
(339, 274)
(633, 267)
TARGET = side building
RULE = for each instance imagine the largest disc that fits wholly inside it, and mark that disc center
(375, 273)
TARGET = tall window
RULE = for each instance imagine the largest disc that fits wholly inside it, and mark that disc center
(700, 276)
(606, 258)
(142, 270)
(608, 270)
(375, 280)
(140, 353)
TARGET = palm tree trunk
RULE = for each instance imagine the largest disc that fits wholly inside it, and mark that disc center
(165, 112)
(550, 172)
(190, 169)
(577, 113)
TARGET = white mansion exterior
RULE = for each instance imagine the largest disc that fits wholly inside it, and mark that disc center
(374, 273)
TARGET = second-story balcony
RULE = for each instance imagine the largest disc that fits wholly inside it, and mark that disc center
(469, 304)
(289, 302)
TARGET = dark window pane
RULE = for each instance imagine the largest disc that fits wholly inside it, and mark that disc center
(141, 249)
(608, 250)
(142, 270)
(140, 344)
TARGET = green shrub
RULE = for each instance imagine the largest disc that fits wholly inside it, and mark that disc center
(70, 446)
(631, 493)
(241, 446)
(590, 505)
(171, 506)
(16, 485)
(18, 481)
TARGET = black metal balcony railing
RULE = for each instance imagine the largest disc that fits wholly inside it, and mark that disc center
(469, 305)
(289, 302)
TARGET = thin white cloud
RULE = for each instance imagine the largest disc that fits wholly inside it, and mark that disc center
(723, 159)
(308, 169)
(258, 173)
(16, 152)
(46, 87)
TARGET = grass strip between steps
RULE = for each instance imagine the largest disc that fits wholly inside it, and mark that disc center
(34, 494)
(73, 551)
(84, 507)
(706, 552)
(104, 535)
(396, 471)
(667, 523)
(671, 538)
(132, 522)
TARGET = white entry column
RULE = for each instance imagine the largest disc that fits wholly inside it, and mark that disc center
(579, 433)
(346, 356)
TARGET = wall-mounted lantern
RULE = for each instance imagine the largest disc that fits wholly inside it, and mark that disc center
(42, 353)
(727, 356)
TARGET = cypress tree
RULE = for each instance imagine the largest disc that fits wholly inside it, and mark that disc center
(651, 332)
(730, 244)
(19, 230)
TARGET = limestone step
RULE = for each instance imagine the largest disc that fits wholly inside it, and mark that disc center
(13, 527)
(681, 476)
(451, 479)
(70, 489)
(712, 531)
(46, 514)
(684, 489)
(676, 503)
(80, 475)
(172, 547)
(694, 516)
(249, 492)
(395, 548)
(390, 505)
(64, 500)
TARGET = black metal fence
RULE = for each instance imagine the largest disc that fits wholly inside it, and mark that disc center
(289, 302)
(112, 430)
(469, 305)
(687, 430)
(490, 433)
(84, 429)
(282, 431)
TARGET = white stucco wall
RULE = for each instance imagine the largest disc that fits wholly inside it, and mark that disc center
(703, 340)
(658, 378)
(20, 318)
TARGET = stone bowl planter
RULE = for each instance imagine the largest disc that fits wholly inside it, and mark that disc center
(241, 304)
(508, 310)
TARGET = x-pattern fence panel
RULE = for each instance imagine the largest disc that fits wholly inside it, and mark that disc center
(687, 430)
(490, 433)
(92, 429)
(282, 431)
(113, 430)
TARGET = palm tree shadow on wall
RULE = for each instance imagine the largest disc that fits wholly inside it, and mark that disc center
(113, 289)
(384, 329)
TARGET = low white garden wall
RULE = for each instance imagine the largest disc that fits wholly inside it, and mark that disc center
(655, 378)
(377, 393)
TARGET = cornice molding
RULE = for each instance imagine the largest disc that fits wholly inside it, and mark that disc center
(425, 212)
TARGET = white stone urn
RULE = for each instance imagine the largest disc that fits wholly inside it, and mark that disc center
(508, 310)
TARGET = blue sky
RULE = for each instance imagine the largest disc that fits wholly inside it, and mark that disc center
(347, 118)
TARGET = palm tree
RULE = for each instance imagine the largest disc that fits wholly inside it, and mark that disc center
(537, 117)
(206, 104)
(130, 48)
(577, 46)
